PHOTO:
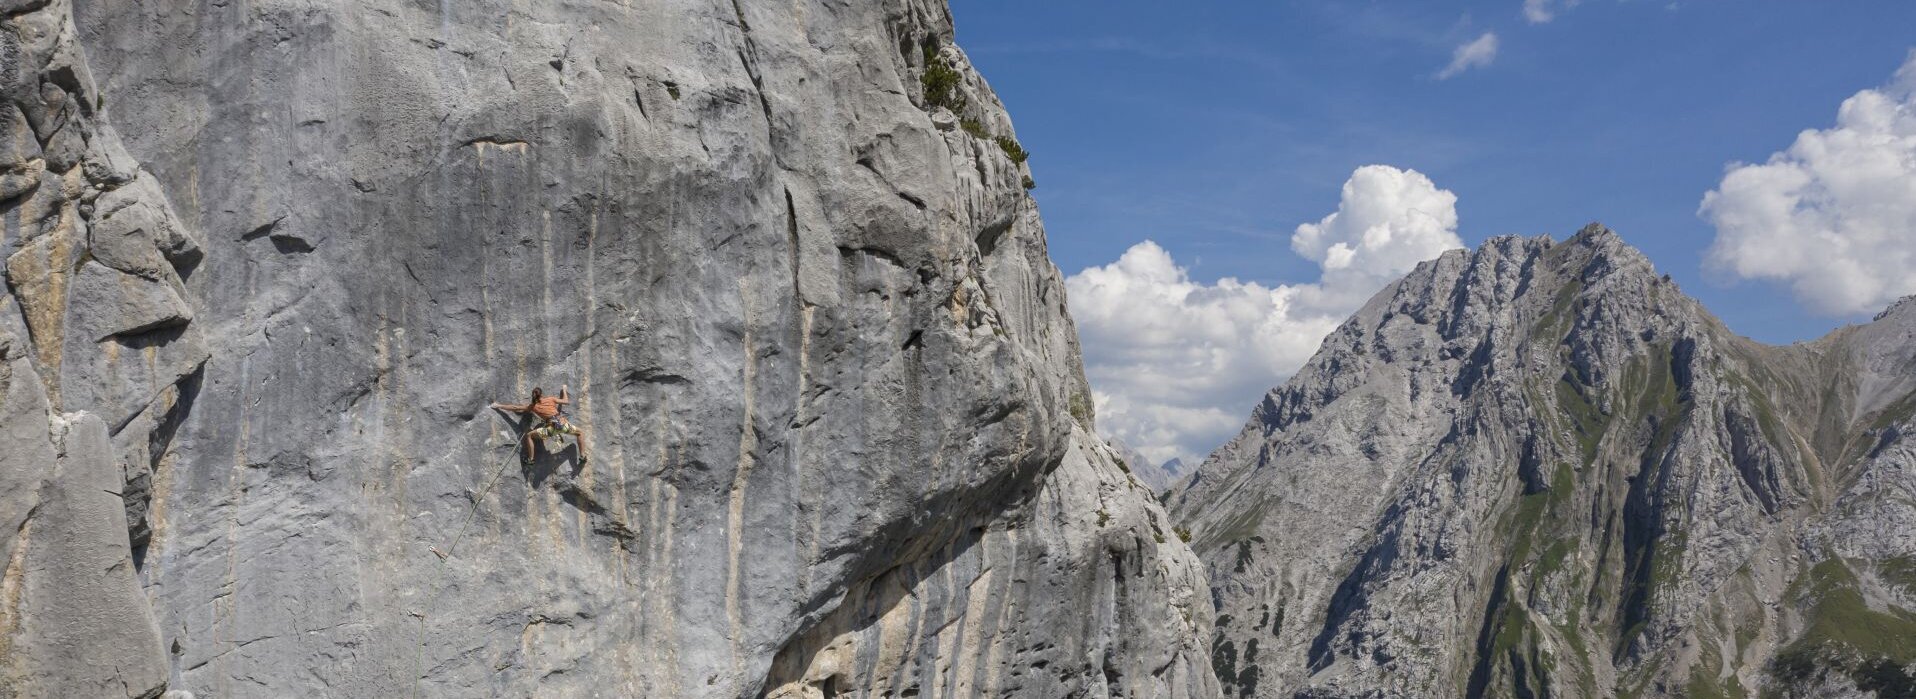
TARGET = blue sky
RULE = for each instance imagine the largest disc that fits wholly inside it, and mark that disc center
(1216, 128)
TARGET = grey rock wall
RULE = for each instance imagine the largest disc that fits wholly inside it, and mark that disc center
(1538, 469)
(840, 434)
(96, 344)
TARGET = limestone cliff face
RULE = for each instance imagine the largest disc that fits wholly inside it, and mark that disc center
(840, 439)
(1538, 469)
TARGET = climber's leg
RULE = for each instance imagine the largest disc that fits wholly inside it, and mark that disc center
(565, 427)
(531, 437)
(578, 437)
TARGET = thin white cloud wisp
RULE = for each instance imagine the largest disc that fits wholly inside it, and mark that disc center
(1476, 53)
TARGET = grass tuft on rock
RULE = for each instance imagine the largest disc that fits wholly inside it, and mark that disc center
(1012, 150)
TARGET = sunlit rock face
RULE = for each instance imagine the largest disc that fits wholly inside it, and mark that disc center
(1538, 469)
(267, 263)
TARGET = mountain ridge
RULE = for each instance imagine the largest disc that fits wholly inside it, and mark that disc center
(1585, 485)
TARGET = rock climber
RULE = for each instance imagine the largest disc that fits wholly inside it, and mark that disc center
(552, 421)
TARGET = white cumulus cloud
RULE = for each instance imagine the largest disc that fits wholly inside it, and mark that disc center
(1834, 216)
(1176, 364)
(1476, 53)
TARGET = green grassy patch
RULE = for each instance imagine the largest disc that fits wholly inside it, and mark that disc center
(1705, 686)
(1586, 421)
(1244, 525)
(1080, 408)
(1552, 559)
(1555, 323)
(971, 126)
(1844, 634)
(1899, 572)
(1841, 617)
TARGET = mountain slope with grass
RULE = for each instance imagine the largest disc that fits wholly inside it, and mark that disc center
(1539, 469)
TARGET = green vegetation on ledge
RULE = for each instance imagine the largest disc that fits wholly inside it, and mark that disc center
(1012, 150)
(940, 81)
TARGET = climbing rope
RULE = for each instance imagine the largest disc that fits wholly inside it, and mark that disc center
(471, 513)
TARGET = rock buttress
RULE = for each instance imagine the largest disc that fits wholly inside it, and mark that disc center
(783, 261)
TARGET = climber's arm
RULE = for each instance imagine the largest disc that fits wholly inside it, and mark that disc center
(512, 408)
(563, 398)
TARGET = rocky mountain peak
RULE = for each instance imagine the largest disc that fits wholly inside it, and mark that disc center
(1903, 308)
(1538, 468)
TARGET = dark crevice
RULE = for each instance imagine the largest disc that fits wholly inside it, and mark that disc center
(478, 141)
(748, 58)
(988, 238)
(1352, 594)
(603, 523)
(1486, 636)
(262, 231)
(1889, 436)
(758, 87)
(791, 235)
(185, 261)
(1749, 457)
(290, 244)
(159, 333)
(139, 495)
(885, 255)
(913, 199)
(654, 375)
(66, 79)
(30, 6)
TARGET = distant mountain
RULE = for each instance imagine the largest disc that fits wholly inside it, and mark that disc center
(1540, 470)
(1173, 470)
(1156, 476)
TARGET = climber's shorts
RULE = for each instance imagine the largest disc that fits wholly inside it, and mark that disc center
(555, 427)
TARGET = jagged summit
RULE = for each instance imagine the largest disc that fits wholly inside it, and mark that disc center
(1905, 307)
(1538, 468)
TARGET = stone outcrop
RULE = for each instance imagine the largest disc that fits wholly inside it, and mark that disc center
(783, 255)
(1539, 469)
(97, 347)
